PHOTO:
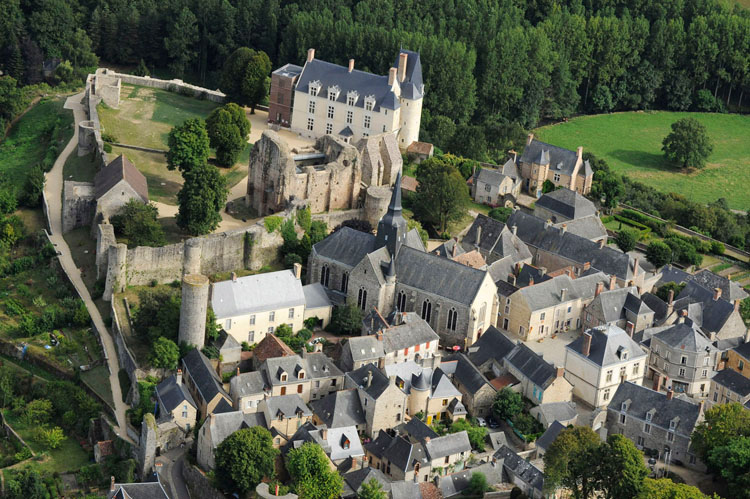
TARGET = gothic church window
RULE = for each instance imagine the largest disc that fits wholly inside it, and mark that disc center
(325, 275)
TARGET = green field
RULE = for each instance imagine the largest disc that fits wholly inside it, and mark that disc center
(631, 144)
(145, 118)
(29, 139)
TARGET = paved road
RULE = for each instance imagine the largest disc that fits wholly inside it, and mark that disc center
(171, 472)
(53, 193)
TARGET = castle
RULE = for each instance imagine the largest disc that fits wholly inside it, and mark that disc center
(321, 98)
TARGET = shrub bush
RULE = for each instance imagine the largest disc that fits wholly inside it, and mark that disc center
(109, 137)
(272, 223)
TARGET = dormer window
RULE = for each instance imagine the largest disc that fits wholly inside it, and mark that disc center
(622, 352)
(672, 425)
(650, 414)
(333, 92)
(283, 377)
(624, 406)
(314, 88)
(301, 375)
(369, 102)
(345, 443)
(352, 97)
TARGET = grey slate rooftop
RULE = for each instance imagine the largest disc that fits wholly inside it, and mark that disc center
(119, 169)
(144, 490)
(709, 314)
(614, 304)
(495, 238)
(641, 400)
(346, 245)
(520, 468)
(341, 408)
(172, 395)
(685, 336)
(532, 365)
(448, 445)
(549, 435)
(355, 479)
(493, 344)
(558, 411)
(456, 483)
(561, 289)
(199, 368)
(559, 159)
(733, 381)
(567, 203)
(246, 384)
(315, 296)
(370, 379)
(605, 344)
(256, 293)
(287, 406)
(468, 375)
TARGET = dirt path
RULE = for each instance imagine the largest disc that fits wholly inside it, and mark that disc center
(53, 193)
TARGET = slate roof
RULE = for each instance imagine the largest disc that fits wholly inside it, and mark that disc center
(144, 490)
(355, 479)
(171, 395)
(520, 468)
(642, 400)
(315, 365)
(455, 483)
(605, 343)
(528, 273)
(270, 347)
(656, 304)
(496, 239)
(612, 305)
(406, 489)
(341, 408)
(315, 296)
(379, 380)
(498, 439)
(490, 176)
(710, 314)
(287, 405)
(329, 75)
(288, 70)
(569, 204)
(257, 293)
(549, 435)
(559, 159)
(558, 411)
(413, 331)
(206, 381)
(743, 350)
(578, 249)
(226, 342)
(468, 375)
(118, 169)
(446, 249)
(419, 378)
(364, 348)
(532, 365)
(448, 445)
(730, 290)
(346, 245)
(223, 406)
(245, 384)
(733, 381)
(399, 451)
(439, 276)
(587, 227)
(550, 293)
(417, 430)
(685, 336)
(412, 87)
(491, 345)
(424, 148)
(224, 424)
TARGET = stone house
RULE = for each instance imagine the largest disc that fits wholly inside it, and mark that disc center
(600, 360)
(268, 348)
(500, 186)
(728, 386)
(521, 472)
(175, 402)
(328, 99)
(115, 185)
(738, 358)
(555, 248)
(540, 381)
(341, 444)
(147, 490)
(311, 376)
(248, 308)
(339, 409)
(622, 307)
(562, 412)
(247, 390)
(489, 352)
(284, 414)
(477, 392)
(716, 317)
(391, 270)
(654, 420)
(204, 384)
(383, 402)
(406, 337)
(217, 428)
(549, 307)
(577, 213)
(497, 243)
(564, 168)
(429, 390)
(683, 355)
(548, 437)
(419, 151)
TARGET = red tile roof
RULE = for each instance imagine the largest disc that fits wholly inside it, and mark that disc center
(409, 184)
(271, 347)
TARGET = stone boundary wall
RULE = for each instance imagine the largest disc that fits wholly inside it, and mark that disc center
(10, 432)
(199, 484)
(177, 86)
(89, 105)
(125, 357)
(139, 148)
(334, 218)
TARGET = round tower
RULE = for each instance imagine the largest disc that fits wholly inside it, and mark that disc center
(420, 392)
(193, 309)
(192, 259)
(376, 203)
(411, 117)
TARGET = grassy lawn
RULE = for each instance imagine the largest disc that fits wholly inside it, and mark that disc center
(79, 168)
(70, 456)
(145, 118)
(83, 251)
(631, 144)
(98, 380)
(28, 140)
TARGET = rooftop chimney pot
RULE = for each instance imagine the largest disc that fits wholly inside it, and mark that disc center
(402, 58)
(297, 269)
(599, 289)
(351, 65)
(310, 55)
(392, 76)
(586, 344)
(717, 293)
(670, 393)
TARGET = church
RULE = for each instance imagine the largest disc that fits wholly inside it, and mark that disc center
(392, 271)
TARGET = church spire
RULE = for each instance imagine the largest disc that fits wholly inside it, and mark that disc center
(395, 204)
(392, 227)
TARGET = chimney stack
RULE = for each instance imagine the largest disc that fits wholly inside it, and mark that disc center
(234, 276)
(297, 271)
(602, 242)
(455, 249)
(514, 230)
(586, 266)
(670, 297)
(512, 279)
(427, 440)
(392, 76)
(514, 153)
(736, 304)
(369, 379)
(531, 281)
(564, 228)
(747, 336)
(579, 153)
(112, 484)
(379, 335)
(351, 65)
(402, 58)
(479, 236)
(310, 55)
(547, 223)
(324, 434)
(237, 371)
(612, 282)
(560, 372)
(635, 267)
(563, 292)
(629, 328)
(670, 393)
(586, 344)
(599, 289)
(529, 138)
(701, 406)
(717, 293)
(179, 377)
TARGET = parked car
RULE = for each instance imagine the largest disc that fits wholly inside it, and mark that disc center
(492, 423)
(481, 422)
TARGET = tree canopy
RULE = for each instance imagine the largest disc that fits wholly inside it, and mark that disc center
(372, 489)
(201, 199)
(139, 223)
(688, 144)
(189, 146)
(507, 404)
(312, 477)
(244, 458)
(442, 195)
(227, 129)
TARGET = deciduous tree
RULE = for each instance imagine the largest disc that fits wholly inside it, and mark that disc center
(139, 223)
(372, 490)
(507, 404)
(658, 253)
(244, 458)
(201, 199)
(442, 195)
(572, 460)
(165, 353)
(621, 468)
(626, 239)
(189, 145)
(311, 475)
(688, 144)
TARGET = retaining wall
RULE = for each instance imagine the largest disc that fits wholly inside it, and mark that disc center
(124, 356)
(198, 483)
(11, 433)
(178, 86)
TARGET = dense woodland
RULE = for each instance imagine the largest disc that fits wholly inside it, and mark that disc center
(492, 67)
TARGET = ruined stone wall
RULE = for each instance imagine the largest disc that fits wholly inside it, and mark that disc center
(105, 237)
(79, 204)
(175, 85)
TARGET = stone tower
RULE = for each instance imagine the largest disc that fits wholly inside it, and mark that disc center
(409, 68)
(392, 227)
(193, 309)
(389, 290)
